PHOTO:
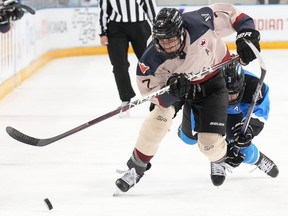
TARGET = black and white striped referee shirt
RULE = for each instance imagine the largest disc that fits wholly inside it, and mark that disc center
(125, 11)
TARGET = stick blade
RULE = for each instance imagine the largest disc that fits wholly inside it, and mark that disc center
(27, 8)
(17, 135)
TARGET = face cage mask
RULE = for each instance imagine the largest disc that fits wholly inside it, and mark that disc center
(239, 98)
(171, 55)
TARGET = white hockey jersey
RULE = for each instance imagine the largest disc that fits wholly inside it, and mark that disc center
(204, 47)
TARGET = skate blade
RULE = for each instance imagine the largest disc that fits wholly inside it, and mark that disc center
(124, 114)
(117, 192)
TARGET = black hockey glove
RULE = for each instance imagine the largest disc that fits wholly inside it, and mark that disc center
(244, 51)
(179, 85)
(17, 13)
(233, 158)
(242, 140)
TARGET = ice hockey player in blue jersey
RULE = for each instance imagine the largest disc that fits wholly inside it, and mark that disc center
(241, 85)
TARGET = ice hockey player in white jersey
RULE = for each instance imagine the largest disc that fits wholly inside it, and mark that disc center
(184, 44)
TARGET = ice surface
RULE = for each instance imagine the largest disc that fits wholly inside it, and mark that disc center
(77, 173)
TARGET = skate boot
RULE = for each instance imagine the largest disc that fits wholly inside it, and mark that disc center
(132, 176)
(128, 180)
(267, 166)
(124, 114)
(218, 173)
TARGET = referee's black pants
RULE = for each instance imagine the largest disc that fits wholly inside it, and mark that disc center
(119, 36)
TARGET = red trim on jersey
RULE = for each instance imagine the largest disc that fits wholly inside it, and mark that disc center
(238, 19)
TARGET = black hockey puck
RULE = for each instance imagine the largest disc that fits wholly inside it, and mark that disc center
(48, 204)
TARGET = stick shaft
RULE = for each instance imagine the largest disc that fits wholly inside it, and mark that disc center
(21, 137)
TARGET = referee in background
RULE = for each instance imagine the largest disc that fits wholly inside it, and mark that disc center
(121, 22)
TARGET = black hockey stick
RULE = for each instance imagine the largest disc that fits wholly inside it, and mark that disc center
(27, 8)
(257, 92)
(21, 137)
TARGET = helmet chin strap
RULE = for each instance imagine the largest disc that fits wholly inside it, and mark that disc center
(182, 54)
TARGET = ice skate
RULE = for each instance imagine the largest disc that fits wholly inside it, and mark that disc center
(131, 176)
(218, 174)
(267, 166)
(128, 180)
(124, 114)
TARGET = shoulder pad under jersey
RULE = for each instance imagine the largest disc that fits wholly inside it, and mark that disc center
(149, 62)
(198, 22)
